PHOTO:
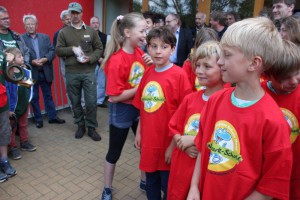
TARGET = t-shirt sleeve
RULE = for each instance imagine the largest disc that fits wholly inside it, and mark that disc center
(176, 124)
(277, 165)
(115, 82)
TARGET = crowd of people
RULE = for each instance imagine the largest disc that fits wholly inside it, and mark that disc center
(240, 77)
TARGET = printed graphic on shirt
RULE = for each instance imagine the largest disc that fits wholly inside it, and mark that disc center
(136, 72)
(192, 125)
(224, 147)
(153, 97)
(293, 123)
(11, 43)
(198, 86)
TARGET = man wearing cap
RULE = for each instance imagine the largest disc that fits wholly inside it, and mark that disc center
(81, 48)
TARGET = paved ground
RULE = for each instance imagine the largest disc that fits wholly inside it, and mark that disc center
(67, 168)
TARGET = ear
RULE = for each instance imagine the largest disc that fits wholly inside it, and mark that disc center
(256, 64)
(172, 50)
(291, 7)
(126, 32)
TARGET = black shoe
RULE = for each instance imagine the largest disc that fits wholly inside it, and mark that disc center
(102, 105)
(39, 124)
(80, 132)
(57, 120)
(15, 153)
(26, 146)
(93, 134)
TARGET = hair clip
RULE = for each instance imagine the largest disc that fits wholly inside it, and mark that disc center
(120, 17)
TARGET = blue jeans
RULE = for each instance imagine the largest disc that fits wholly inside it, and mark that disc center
(155, 183)
(101, 83)
(47, 96)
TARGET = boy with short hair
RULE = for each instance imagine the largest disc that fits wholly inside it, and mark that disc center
(6, 170)
(159, 94)
(243, 136)
(19, 97)
(283, 86)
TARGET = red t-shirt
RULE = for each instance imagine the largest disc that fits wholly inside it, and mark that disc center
(243, 149)
(124, 71)
(290, 106)
(157, 98)
(185, 121)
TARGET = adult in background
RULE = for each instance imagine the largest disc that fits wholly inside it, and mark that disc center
(184, 38)
(41, 57)
(81, 47)
(9, 38)
(231, 17)
(218, 22)
(283, 8)
(200, 19)
(159, 20)
(100, 76)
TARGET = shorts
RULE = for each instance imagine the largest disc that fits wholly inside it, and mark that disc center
(123, 115)
(5, 129)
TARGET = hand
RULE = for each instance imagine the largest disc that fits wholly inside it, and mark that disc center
(100, 60)
(43, 60)
(168, 155)
(147, 59)
(194, 193)
(192, 151)
(185, 141)
(36, 63)
(10, 57)
(86, 59)
(137, 140)
(11, 114)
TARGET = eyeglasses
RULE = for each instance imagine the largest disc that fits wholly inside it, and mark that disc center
(167, 22)
(5, 18)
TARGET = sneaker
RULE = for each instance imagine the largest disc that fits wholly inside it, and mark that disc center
(106, 194)
(93, 134)
(3, 177)
(7, 168)
(15, 153)
(26, 146)
(143, 185)
(80, 132)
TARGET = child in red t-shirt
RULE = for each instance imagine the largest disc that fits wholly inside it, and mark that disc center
(282, 85)
(185, 122)
(159, 94)
(204, 35)
(124, 66)
(243, 136)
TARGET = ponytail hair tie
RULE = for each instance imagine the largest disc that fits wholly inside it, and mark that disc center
(120, 17)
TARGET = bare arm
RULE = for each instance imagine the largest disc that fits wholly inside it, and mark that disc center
(126, 95)
(194, 193)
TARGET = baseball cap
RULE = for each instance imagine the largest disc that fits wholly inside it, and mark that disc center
(74, 6)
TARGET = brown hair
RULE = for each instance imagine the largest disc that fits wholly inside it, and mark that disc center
(292, 28)
(164, 33)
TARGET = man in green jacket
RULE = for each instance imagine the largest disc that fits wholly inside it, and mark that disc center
(81, 48)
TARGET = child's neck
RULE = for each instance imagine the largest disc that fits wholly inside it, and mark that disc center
(249, 91)
(210, 90)
(128, 48)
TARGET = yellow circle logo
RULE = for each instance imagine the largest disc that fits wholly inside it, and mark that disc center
(293, 123)
(153, 97)
(224, 147)
(136, 73)
(192, 125)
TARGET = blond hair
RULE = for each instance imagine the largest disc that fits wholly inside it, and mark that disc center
(255, 37)
(288, 63)
(117, 33)
(207, 49)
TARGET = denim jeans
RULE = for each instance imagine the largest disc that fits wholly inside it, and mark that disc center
(155, 183)
(47, 96)
(101, 83)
